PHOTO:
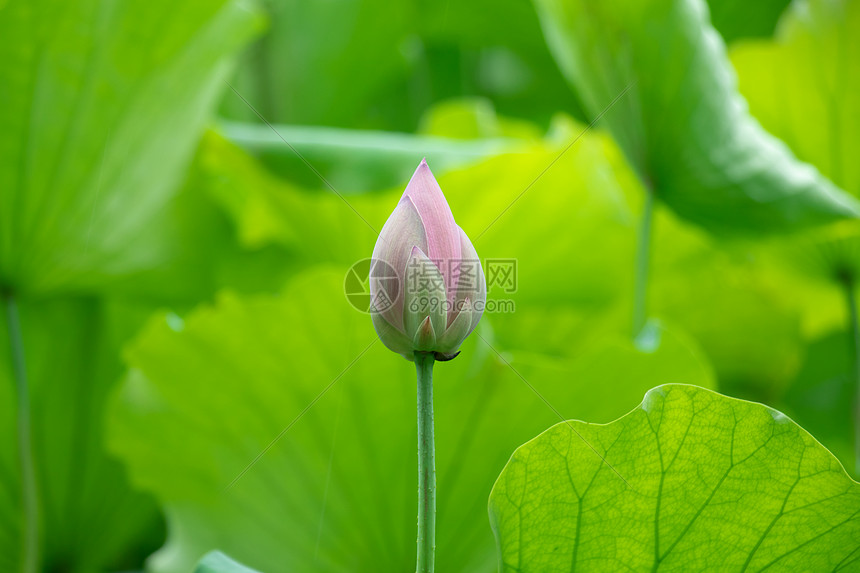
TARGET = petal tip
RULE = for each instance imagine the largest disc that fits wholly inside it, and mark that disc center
(425, 336)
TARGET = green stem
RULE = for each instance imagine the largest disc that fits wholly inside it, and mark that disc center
(643, 255)
(426, 465)
(30, 563)
(855, 332)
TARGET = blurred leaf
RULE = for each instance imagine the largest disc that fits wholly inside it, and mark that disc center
(91, 518)
(821, 397)
(682, 124)
(199, 253)
(325, 63)
(336, 492)
(710, 480)
(473, 118)
(821, 265)
(609, 363)
(100, 106)
(507, 61)
(217, 562)
(353, 161)
(368, 64)
(736, 19)
(735, 307)
(802, 86)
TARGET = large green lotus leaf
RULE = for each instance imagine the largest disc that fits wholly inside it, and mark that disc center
(101, 105)
(200, 254)
(336, 491)
(682, 123)
(710, 482)
(802, 86)
(91, 519)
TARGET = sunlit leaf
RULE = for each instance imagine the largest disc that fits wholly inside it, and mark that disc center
(336, 491)
(708, 482)
(101, 105)
(681, 122)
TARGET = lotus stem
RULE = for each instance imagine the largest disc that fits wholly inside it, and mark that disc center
(29, 491)
(643, 256)
(426, 465)
(854, 323)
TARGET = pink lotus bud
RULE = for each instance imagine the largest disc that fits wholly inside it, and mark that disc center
(426, 281)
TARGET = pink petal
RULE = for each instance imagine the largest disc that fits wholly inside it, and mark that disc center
(472, 285)
(402, 231)
(442, 233)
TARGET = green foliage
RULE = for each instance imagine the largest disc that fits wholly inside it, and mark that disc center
(707, 480)
(353, 453)
(739, 311)
(96, 135)
(85, 117)
(373, 64)
(354, 161)
(267, 422)
(681, 122)
(91, 519)
(821, 395)
(568, 301)
(802, 86)
(321, 227)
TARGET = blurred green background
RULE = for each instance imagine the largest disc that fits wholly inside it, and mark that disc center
(173, 253)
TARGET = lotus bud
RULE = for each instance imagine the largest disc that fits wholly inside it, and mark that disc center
(427, 286)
